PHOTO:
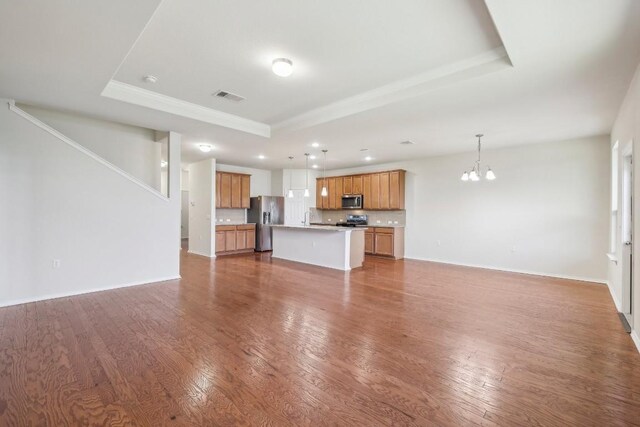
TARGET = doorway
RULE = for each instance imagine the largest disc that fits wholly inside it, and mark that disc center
(627, 234)
(295, 208)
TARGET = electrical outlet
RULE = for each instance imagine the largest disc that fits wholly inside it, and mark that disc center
(55, 263)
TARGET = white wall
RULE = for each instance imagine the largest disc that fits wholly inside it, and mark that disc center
(59, 203)
(260, 178)
(547, 213)
(202, 207)
(132, 149)
(626, 130)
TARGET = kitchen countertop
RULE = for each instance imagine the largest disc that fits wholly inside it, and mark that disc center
(333, 224)
(332, 228)
(235, 223)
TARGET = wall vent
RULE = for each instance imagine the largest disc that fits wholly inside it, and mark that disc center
(228, 95)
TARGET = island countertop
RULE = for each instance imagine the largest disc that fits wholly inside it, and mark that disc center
(329, 228)
(341, 248)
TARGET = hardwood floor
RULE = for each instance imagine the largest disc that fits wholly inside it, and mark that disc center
(247, 340)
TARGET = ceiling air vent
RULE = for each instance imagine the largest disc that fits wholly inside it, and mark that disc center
(228, 95)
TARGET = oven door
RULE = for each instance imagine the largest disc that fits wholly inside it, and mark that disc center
(352, 201)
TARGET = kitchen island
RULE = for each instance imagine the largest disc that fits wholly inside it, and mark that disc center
(341, 248)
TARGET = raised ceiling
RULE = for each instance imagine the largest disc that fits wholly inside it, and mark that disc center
(368, 74)
(339, 49)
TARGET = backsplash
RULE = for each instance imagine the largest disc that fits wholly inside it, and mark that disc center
(232, 216)
(375, 217)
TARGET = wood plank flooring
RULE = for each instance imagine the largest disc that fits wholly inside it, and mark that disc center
(247, 340)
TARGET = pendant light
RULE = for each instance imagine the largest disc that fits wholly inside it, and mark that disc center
(476, 172)
(290, 192)
(306, 172)
(324, 192)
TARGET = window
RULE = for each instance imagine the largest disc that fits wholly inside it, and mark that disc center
(613, 233)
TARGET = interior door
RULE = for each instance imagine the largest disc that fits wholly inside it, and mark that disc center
(627, 236)
(294, 208)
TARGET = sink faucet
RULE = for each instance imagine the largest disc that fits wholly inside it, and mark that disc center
(307, 222)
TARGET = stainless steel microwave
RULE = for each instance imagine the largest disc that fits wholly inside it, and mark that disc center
(352, 201)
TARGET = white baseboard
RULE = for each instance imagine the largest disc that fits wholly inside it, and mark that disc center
(636, 339)
(534, 273)
(614, 297)
(88, 291)
(201, 254)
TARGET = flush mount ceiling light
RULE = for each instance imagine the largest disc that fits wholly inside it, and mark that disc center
(407, 142)
(163, 164)
(282, 67)
(205, 148)
(261, 156)
(312, 157)
(368, 158)
(314, 166)
(476, 170)
(150, 79)
(315, 145)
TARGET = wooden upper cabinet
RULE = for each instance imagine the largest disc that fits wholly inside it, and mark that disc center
(218, 189)
(375, 191)
(318, 195)
(384, 190)
(347, 185)
(332, 192)
(236, 191)
(245, 193)
(396, 189)
(232, 190)
(339, 192)
(225, 190)
(366, 191)
(381, 190)
(356, 185)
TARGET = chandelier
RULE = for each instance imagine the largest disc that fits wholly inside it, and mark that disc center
(476, 171)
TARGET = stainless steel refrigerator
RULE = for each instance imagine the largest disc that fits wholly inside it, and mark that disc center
(265, 211)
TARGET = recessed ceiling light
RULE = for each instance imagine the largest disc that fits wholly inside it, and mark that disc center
(282, 67)
(315, 145)
(261, 156)
(312, 157)
(163, 164)
(368, 158)
(150, 79)
(205, 148)
(364, 149)
(314, 166)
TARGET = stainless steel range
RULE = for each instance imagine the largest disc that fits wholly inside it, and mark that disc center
(354, 221)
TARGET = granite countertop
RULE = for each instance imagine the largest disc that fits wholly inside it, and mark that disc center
(328, 227)
(333, 224)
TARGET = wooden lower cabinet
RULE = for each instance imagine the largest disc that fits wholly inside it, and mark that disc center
(384, 241)
(231, 239)
(368, 242)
